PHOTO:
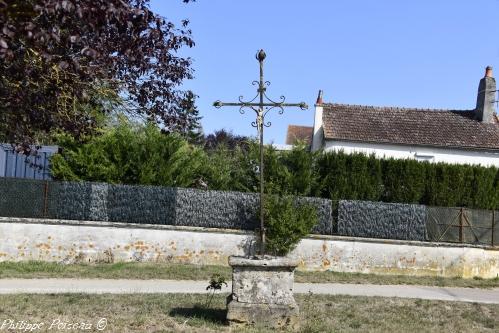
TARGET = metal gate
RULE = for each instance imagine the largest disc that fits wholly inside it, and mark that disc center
(462, 225)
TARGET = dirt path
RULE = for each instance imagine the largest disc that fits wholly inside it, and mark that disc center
(100, 286)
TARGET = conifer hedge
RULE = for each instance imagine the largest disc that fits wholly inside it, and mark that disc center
(360, 177)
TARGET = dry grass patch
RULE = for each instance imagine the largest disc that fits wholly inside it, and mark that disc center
(188, 313)
(359, 278)
(134, 270)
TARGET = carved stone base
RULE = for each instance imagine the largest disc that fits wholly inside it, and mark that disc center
(262, 293)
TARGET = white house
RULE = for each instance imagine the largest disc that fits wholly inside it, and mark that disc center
(451, 136)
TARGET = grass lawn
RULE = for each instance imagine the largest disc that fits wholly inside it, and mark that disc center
(192, 272)
(189, 313)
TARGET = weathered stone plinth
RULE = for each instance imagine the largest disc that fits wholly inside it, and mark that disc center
(262, 293)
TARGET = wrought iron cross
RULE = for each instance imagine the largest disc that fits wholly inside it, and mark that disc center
(261, 108)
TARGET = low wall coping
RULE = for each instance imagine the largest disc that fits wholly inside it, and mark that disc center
(401, 242)
(267, 261)
(107, 224)
(232, 231)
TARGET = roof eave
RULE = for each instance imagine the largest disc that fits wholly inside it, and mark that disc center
(495, 150)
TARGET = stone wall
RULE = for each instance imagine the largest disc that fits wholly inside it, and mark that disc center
(79, 241)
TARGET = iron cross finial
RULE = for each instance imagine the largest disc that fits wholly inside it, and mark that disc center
(261, 108)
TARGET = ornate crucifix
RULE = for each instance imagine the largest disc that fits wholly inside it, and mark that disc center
(261, 108)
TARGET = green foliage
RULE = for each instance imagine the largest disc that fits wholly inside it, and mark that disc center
(189, 116)
(360, 177)
(65, 63)
(286, 223)
(230, 169)
(403, 180)
(291, 172)
(131, 154)
(141, 154)
(353, 177)
(216, 283)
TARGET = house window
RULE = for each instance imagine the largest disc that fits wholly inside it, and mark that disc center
(424, 157)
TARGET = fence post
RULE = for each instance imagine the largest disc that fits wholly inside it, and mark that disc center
(45, 198)
(493, 226)
(461, 218)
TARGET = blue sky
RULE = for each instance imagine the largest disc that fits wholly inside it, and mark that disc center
(425, 53)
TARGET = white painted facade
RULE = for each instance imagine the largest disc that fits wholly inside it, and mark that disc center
(278, 146)
(420, 153)
(318, 136)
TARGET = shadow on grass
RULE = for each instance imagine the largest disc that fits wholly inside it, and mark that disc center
(216, 316)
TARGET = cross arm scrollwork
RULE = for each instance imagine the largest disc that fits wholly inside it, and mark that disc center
(261, 104)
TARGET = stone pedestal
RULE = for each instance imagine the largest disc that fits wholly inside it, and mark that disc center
(262, 293)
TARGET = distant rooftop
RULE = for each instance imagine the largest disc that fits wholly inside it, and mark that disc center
(299, 134)
(411, 126)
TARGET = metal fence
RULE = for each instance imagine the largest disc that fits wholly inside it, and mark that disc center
(382, 220)
(418, 222)
(236, 210)
(463, 225)
(35, 165)
(139, 204)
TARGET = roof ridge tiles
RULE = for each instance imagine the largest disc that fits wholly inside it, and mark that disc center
(390, 108)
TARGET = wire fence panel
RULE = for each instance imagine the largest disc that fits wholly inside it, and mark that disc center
(439, 224)
(382, 220)
(236, 210)
(69, 201)
(140, 204)
(22, 197)
(324, 214)
(478, 227)
(462, 225)
(216, 209)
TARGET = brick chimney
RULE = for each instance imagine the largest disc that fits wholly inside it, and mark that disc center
(319, 98)
(485, 106)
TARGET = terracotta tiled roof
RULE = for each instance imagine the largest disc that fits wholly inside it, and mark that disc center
(443, 128)
(299, 133)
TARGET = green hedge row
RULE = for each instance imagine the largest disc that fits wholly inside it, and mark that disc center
(132, 154)
(360, 177)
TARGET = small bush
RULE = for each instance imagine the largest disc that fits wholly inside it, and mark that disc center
(287, 222)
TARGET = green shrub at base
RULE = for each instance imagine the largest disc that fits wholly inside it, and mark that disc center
(286, 222)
